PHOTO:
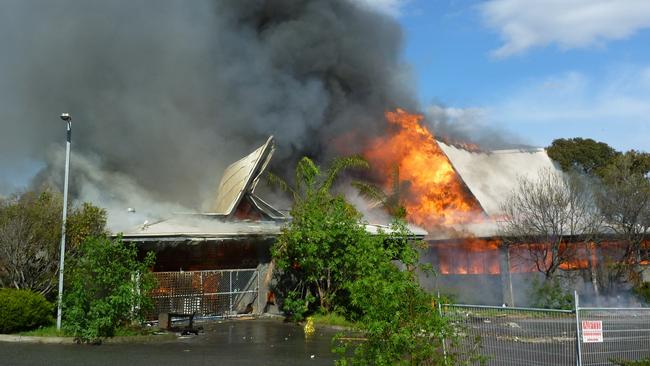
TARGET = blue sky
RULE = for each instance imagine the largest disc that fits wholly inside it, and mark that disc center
(540, 69)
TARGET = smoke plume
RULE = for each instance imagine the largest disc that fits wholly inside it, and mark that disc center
(168, 93)
(454, 125)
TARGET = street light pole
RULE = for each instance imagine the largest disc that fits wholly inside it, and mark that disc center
(66, 117)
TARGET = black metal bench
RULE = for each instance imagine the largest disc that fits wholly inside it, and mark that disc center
(165, 322)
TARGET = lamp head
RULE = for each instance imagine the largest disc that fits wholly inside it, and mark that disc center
(66, 117)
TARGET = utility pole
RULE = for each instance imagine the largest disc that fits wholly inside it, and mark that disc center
(66, 117)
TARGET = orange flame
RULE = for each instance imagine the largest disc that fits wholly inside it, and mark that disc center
(469, 256)
(435, 196)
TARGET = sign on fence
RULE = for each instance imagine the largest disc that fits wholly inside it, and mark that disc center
(592, 331)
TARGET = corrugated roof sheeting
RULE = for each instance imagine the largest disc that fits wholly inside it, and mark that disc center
(266, 208)
(202, 225)
(241, 177)
(212, 227)
(492, 176)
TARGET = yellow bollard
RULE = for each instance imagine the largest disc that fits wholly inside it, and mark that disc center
(309, 327)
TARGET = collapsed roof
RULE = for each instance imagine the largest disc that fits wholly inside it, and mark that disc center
(236, 211)
(239, 181)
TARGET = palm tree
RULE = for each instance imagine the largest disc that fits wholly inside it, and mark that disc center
(391, 201)
(310, 179)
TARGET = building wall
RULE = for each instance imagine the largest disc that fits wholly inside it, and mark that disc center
(231, 254)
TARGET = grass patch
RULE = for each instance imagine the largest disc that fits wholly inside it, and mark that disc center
(508, 313)
(47, 331)
(332, 319)
(644, 362)
(51, 331)
(135, 330)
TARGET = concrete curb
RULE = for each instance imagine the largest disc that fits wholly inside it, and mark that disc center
(153, 338)
(33, 339)
(12, 338)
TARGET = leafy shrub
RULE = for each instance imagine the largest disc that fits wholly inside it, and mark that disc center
(549, 294)
(643, 292)
(398, 322)
(295, 306)
(23, 310)
(108, 289)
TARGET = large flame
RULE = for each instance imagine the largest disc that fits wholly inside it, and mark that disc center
(435, 195)
(469, 256)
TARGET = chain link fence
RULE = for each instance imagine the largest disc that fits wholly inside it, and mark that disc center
(514, 336)
(528, 336)
(223, 293)
(625, 335)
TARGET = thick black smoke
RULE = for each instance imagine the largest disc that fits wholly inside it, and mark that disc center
(168, 93)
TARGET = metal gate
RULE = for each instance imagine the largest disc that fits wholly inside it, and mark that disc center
(223, 293)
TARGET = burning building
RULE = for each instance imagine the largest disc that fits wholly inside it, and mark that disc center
(458, 193)
(455, 192)
(197, 254)
(219, 262)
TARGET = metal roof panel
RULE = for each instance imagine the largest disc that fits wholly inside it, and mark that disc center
(241, 177)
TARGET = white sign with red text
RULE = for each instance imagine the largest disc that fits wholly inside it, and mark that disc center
(592, 331)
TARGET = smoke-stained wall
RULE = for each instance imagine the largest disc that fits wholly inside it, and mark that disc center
(167, 93)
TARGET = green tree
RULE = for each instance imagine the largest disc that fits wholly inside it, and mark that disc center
(311, 252)
(624, 202)
(580, 154)
(328, 261)
(30, 233)
(109, 288)
(395, 315)
(638, 162)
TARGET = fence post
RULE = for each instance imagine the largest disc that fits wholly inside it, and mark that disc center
(202, 296)
(578, 340)
(442, 336)
(257, 274)
(230, 294)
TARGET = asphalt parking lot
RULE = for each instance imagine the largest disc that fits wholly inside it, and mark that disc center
(250, 342)
(507, 341)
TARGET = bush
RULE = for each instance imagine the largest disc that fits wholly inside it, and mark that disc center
(643, 292)
(108, 289)
(23, 310)
(549, 294)
(398, 322)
